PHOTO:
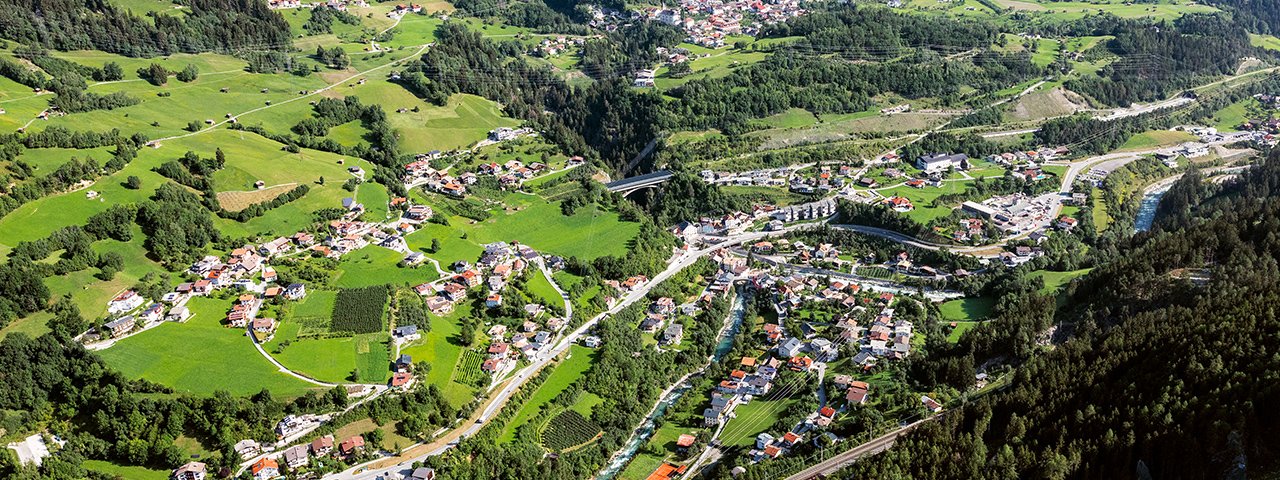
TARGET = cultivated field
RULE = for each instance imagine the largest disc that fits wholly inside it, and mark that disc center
(240, 200)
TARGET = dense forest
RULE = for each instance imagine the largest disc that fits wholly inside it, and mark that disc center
(206, 25)
(1169, 372)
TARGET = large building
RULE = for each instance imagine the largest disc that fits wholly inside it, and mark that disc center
(941, 162)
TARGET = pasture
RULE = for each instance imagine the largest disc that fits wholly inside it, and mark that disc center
(201, 356)
(440, 349)
(374, 265)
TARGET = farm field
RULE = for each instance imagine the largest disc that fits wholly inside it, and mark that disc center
(565, 373)
(922, 198)
(1269, 42)
(179, 355)
(1076, 10)
(1056, 280)
(958, 331)
(332, 359)
(539, 286)
(391, 437)
(567, 430)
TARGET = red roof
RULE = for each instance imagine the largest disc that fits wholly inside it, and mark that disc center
(264, 464)
(685, 440)
(827, 412)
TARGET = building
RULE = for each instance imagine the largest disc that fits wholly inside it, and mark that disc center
(407, 333)
(124, 302)
(322, 446)
(941, 162)
(352, 446)
(190, 471)
(790, 348)
(673, 334)
(422, 473)
(978, 209)
(265, 469)
(296, 456)
(119, 326)
(857, 393)
(295, 291)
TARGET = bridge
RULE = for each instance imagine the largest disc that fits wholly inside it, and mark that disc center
(648, 180)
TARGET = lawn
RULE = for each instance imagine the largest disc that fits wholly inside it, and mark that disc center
(332, 359)
(128, 472)
(539, 286)
(921, 198)
(201, 356)
(966, 309)
(374, 265)
(1055, 280)
(565, 373)
(1231, 116)
(391, 438)
(440, 349)
(751, 419)
(958, 331)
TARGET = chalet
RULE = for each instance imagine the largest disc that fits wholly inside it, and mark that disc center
(418, 212)
(800, 364)
(453, 292)
(790, 348)
(1066, 223)
(406, 333)
(673, 334)
(652, 322)
(295, 291)
(663, 306)
(265, 469)
(899, 204)
(857, 392)
(401, 380)
(264, 325)
(247, 448)
(190, 471)
(296, 456)
(440, 305)
(303, 239)
(352, 446)
(119, 326)
(124, 302)
(275, 247)
(322, 446)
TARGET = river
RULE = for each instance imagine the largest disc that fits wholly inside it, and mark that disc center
(1147, 211)
(642, 434)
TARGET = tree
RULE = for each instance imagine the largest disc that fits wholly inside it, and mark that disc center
(679, 70)
(435, 245)
(111, 72)
(133, 182)
(156, 74)
(189, 73)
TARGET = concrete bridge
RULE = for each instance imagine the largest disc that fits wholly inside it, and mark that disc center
(638, 182)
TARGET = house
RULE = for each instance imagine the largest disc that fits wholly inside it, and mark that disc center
(667, 471)
(120, 326)
(791, 439)
(247, 448)
(684, 442)
(322, 446)
(190, 471)
(422, 473)
(296, 456)
(352, 446)
(124, 302)
(153, 313)
(1066, 223)
(931, 404)
(800, 364)
(493, 301)
(941, 162)
(179, 313)
(400, 380)
(265, 469)
(404, 363)
(857, 393)
(407, 333)
(591, 341)
(264, 325)
(763, 440)
(790, 348)
(673, 334)
(295, 291)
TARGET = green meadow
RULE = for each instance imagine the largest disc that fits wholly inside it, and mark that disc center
(201, 356)
(564, 374)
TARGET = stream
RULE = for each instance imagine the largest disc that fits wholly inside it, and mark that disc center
(1147, 211)
(671, 396)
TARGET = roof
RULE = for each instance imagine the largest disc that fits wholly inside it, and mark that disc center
(666, 471)
(264, 464)
(685, 440)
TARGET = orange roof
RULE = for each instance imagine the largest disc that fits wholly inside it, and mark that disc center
(685, 440)
(666, 471)
(264, 463)
(748, 361)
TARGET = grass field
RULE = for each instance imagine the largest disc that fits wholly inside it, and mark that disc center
(1055, 280)
(539, 286)
(565, 373)
(127, 472)
(921, 198)
(439, 349)
(390, 439)
(1075, 10)
(753, 418)
(332, 359)
(966, 309)
(1269, 42)
(1231, 116)
(1156, 139)
(240, 200)
(374, 265)
(200, 356)
(958, 331)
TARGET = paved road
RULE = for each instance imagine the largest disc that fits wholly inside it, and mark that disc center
(876, 445)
